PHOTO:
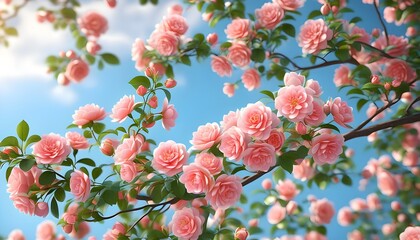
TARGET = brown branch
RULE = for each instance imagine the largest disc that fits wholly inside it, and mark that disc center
(412, 104)
(16, 10)
(382, 21)
(324, 64)
(364, 123)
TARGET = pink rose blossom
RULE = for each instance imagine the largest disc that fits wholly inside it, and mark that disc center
(70, 216)
(363, 36)
(221, 66)
(128, 149)
(93, 24)
(291, 207)
(276, 213)
(137, 51)
(259, 156)
(117, 230)
(92, 47)
(373, 202)
(410, 233)
(241, 233)
(122, 108)
(399, 71)
(266, 184)
(212, 39)
(233, 143)
(326, 148)
(304, 171)
(45, 230)
(372, 110)
(395, 206)
(187, 223)
(358, 204)
(387, 183)
(16, 234)
(229, 89)
(210, 162)
(88, 113)
(355, 235)
(175, 23)
(23, 204)
(411, 31)
(313, 36)
(269, 15)
(19, 182)
(292, 78)
(165, 43)
(51, 149)
(251, 79)
(169, 115)
(314, 86)
(342, 76)
(276, 139)
(196, 179)
(287, 189)
(238, 29)
(345, 216)
(169, 157)
(256, 120)
(314, 235)
(41, 209)
(322, 211)
(239, 54)
(290, 5)
(294, 102)
(399, 45)
(341, 112)
(175, 9)
(108, 146)
(81, 232)
(77, 141)
(80, 185)
(411, 159)
(206, 136)
(388, 228)
(225, 192)
(229, 120)
(77, 70)
(317, 116)
(128, 171)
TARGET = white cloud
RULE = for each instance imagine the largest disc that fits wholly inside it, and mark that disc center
(65, 95)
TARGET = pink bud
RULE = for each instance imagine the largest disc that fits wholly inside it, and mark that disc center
(158, 70)
(291, 207)
(207, 16)
(9, 150)
(325, 9)
(212, 38)
(153, 102)
(170, 83)
(108, 145)
(68, 228)
(335, 179)
(253, 222)
(93, 47)
(376, 32)
(396, 206)
(300, 128)
(50, 17)
(62, 54)
(372, 137)
(141, 90)
(229, 89)
(349, 152)
(401, 217)
(266, 184)
(111, 3)
(366, 173)
(241, 234)
(63, 80)
(406, 97)
(41, 209)
(41, 16)
(71, 54)
(375, 79)
(334, 9)
(387, 86)
(411, 32)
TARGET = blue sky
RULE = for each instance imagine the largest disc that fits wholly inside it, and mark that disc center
(27, 92)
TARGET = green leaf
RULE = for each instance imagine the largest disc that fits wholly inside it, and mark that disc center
(33, 139)
(355, 91)
(54, 208)
(186, 60)
(143, 2)
(355, 20)
(47, 177)
(9, 141)
(68, 13)
(330, 126)
(96, 172)
(178, 189)
(268, 93)
(60, 194)
(11, 31)
(98, 127)
(361, 103)
(169, 71)
(342, 54)
(87, 161)
(289, 29)
(110, 197)
(346, 180)
(81, 42)
(258, 55)
(110, 58)
(91, 59)
(26, 164)
(278, 174)
(100, 64)
(314, 14)
(167, 94)
(287, 159)
(140, 80)
(22, 130)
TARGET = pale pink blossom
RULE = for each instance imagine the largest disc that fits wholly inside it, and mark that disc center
(23, 203)
(259, 156)
(239, 54)
(128, 149)
(229, 89)
(256, 120)
(206, 136)
(16, 234)
(210, 162)
(387, 183)
(342, 76)
(251, 79)
(19, 182)
(77, 140)
(293, 78)
(363, 36)
(269, 15)
(79, 185)
(411, 31)
(390, 16)
(41, 209)
(122, 108)
(326, 148)
(345, 216)
(358, 204)
(212, 38)
(108, 146)
(175, 9)
(196, 179)
(238, 29)
(165, 43)
(314, 235)
(175, 23)
(221, 66)
(287, 189)
(233, 143)
(399, 45)
(294, 102)
(88, 113)
(317, 116)
(117, 230)
(395, 206)
(276, 139)
(372, 109)
(313, 36)
(241, 233)
(290, 5)
(45, 230)
(373, 202)
(51, 149)
(355, 235)
(229, 120)
(111, 3)
(128, 171)
(341, 112)
(266, 184)
(77, 70)
(304, 171)
(93, 24)
(81, 232)
(301, 128)
(187, 223)
(70, 216)
(169, 115)
(169, 157)
(92, 47)
(399, 71)
(291, 207)
(322, 211)
(314, 86)
(388, 228)
(410, 233)
(276, 213)
(207, 16)
(411, 159)
(225, 192)
(137, 51)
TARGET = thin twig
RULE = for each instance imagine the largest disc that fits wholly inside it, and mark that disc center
(411, 105)
(16, 10)
(382, 21)
(364, 123)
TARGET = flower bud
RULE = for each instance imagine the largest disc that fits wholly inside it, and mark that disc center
(396, 206)
(411, 32)
(375, 79)
(241, 234)
(93, 47)
(300, 128)
(71, 54)
(170, 83)
(111, 3)
(376, 32)
(63, 80)
(108, 145)
(266, 184)
(141, 90)
(212, 39)
(153, 102)
(387, 86)
(229, 89)
(68, 228)
(41, 209)
(325, 9)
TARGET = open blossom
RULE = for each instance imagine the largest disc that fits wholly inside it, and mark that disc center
(169, 157)
(256, 120)
(77, 140)
(387, 183)
(221, 66)
(165, 43)
(399, 45)
(122, 108)
(341, 112)
(233, 143)
(287, 189)
(259, 156)
(128, 149)
(175, 23)
(19, 182)
(16, 234)
(355, 235)
(373, 202)
(276, 213)
(80, 185)
(128, 171)
(229, 89)
(251, 79)
(322, 211)
(276, 139)
(93, 24)
(117, 230)
(51, 149)
(225, 192)
(317, 116)
(313, 36)
(196, 179)
(45, 230)
(210, 162)
(206, 136)
(294, 102)
(314, 235)
(229, 120)
(399, 71)
(269, 15)
(293, 78)
(342, 76)
(81, 232)
(410, 233)
(23, 203)
(87, 114)
(238, 29)
(137, 51)
(169, 115)
(290, 5)
(239, 54)
(314, 86)
(326, 148)
(77, 70)
(187, 224)
(358, 204)
(304, 171)
(345, 216)
(70, 216)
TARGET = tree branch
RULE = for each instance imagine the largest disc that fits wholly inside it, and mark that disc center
(16, 10)
(382, 21)
(364, 123)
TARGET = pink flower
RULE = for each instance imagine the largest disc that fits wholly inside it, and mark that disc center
(387, 183)
(122, 108)
(77, 141)
(373, 202)
(399, 45)
(165, 43)
(269, 15)
(77, 70)
(23, 204)
(256, 120)
(388, 228)
(93, 24)
(128, 149)
(411, 159)
(238, 29)
(290, 5)
(294, 102)
(111, 3)
(266, 184)
(326, 148)
(41, 209)
(206, 136)
(276, 213)
(399, 71)
(313, 36)
(304, 171)
(241, 233)
(108, 145)
(341, 112)
(70, 216)
(210, 162)
(355, 235)
(239, 54)
(233, 143)
(52, 149)
(292, 78)
(137, 51)
(88, 113)
(169, 157)
(16, 234)
(314, 86)
(187, 223)
(229, 89)
(175, 9)
(175, 23)
(19, 182)
(276, 139)
(314, 235)
(221, 66)
(372, 110)
(229, 120)
(81, 232)
(225, 192)
(322, 211)
(128, 171)
(259, 156)
(196, 179)
(345, 216)
(169, 115)
(317, 116)
(79, 185)
(342, 76)
(358, 204)
(212, 39)
(45, 230)
(287, 189)
(251, 79)
(92, 47)
(410, 233)
(117, 230)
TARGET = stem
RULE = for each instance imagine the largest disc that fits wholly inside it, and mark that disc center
(17, 9)
(382, 21)
(412, 104)
(324, 64)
